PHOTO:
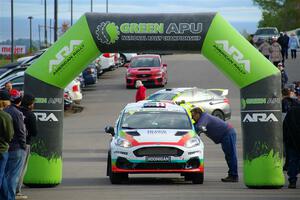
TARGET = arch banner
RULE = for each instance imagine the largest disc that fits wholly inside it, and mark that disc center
(206, 33)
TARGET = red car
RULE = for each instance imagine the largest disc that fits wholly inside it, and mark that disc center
(147, 68)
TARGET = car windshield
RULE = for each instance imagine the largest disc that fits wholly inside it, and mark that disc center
(155, 120)
(269, 31)
(162, 96)
(145, 62)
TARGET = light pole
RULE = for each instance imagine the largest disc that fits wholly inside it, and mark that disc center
(55, 20)
(30, 33)
(12, 30)
(91, 5)
(71, 12)
(45, 21)
(106, 6)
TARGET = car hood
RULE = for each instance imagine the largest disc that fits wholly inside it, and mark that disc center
(157, 136)
(144, 70)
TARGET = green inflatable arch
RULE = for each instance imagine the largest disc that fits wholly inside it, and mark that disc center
(206, 33)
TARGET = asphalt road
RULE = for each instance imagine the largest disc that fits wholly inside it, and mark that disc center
(85, 144)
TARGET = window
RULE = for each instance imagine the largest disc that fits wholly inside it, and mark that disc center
(162, 96)
(19, 79)
(145, 62)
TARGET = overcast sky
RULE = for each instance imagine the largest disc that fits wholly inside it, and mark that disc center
(241, 13)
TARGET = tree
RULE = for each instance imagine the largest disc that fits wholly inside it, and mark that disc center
(283, 14)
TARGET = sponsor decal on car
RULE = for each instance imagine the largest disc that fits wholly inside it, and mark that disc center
(109, 32)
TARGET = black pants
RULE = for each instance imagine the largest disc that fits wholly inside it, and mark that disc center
(294, 53)
(284, 53)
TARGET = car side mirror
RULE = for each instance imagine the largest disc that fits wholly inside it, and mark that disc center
(126, 65)
(110, 130)
(165, 65)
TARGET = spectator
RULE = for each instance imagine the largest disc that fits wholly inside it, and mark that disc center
(283, 40)
(17, 147)
(297, 88)
(275, 50)
(8, 86)
(264, 48)
(6, 134)
(284, 77)
(289, 100)
(219, 132)
(141, 91)
(26, 108)
(294, 45)
(291, 138)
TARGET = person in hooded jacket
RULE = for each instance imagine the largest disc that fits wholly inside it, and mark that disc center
(291, 139)
(294, 45)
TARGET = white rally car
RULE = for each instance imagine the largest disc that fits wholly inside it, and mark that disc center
(154, 137)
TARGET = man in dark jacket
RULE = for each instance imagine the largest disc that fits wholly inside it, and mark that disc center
(16, 151)
(6, 133)
(26, 108)
(219, 132)
(291, 138)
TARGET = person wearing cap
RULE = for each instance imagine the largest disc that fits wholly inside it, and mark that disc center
(17, 147)
(26, 108)
(284, 77)
(141, 91)
(6, 134)
(221, 133)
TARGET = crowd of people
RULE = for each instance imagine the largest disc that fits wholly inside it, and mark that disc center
(18, 126)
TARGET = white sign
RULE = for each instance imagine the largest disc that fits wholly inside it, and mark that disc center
(260, 117)
(18, 50)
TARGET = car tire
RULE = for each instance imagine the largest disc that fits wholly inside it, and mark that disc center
(197, 178)
(219, 114)
(115, 178)
(122, 60)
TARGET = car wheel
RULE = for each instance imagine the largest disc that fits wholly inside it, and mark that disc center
(122, 60)
(197, 178)
(219, 114)
(115, 178)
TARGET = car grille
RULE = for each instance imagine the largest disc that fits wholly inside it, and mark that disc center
(143, 75)
(158, 151)
(160, 166)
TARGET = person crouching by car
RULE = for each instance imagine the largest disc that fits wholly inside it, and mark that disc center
(141, 91)
(221, 133)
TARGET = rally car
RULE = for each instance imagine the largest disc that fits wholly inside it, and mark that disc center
(154, 137)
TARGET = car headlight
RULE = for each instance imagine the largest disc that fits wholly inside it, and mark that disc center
(192, 142)
(159, 73)
(123, 143)
(129, 74)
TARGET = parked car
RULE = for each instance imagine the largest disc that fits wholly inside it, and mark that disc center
(90, 74)
(107, 61)
(265, 33)
(125, 58)
(72, 91)
(148, 68)
(213, 101)
(154, 137)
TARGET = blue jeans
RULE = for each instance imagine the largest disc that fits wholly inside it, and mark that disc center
(294, 164)
(3, 161)
(12, 173)
(228, 144)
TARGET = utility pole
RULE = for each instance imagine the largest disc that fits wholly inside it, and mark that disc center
(106, 6)
(12, 30)
(71, 12)
(55, 20)
(30, 34)
(40, 36)
(50, 30)
(91, 5)
(45, 21)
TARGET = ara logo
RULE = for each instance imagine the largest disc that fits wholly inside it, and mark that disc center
(62, 54)
(235, 54)
(44, 117)
(107, 32)
(260, 117)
